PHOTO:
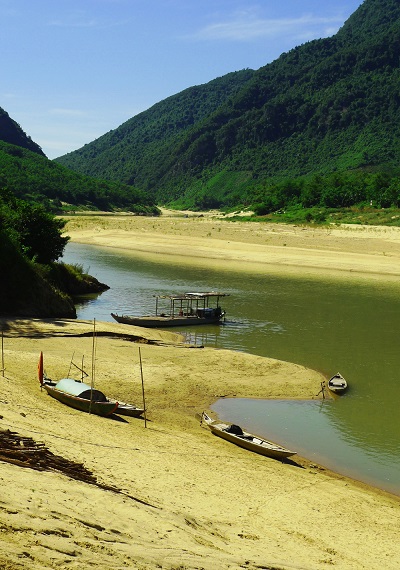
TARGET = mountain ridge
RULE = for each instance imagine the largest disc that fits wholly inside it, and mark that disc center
(327, 105)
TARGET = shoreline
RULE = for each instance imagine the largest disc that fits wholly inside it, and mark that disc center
(360, 252)
(209, 504)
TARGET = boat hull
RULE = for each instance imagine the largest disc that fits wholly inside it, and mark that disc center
(337, 384)
(98, 408)
(162, 322)
(249, 441)
(125, 409)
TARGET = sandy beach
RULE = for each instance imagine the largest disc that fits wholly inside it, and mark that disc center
(170, 495)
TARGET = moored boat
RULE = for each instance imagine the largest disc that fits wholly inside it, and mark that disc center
(125, 409)
(181, 310)
(236, 435)
(76, 394)
(337, 384)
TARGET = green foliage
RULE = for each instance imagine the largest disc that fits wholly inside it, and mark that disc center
(11, 132)
(36, 232)
(328, 106)
(33, 177)
(23, 290)
(380, 189)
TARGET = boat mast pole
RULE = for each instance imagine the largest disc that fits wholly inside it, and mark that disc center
(141, 375)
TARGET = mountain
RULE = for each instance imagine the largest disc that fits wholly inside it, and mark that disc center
(140, 151)
(31, 176)
(11, 132)
(328, 106)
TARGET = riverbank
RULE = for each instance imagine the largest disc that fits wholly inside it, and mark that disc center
(204, 503)
(343, 252)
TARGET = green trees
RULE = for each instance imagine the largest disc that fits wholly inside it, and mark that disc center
(337, 190)
(328, 106)
(35, 178)
(34, 231)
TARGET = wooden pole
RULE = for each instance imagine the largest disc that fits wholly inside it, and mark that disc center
(141, 375)
(2, 353)
(93, 365)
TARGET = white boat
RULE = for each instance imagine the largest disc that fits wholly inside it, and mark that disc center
(236, 435)
(337, 384)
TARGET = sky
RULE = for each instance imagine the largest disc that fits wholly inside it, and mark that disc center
(72, 70)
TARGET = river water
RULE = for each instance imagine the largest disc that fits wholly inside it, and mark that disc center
(352, 327)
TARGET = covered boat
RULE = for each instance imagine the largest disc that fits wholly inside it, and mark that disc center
(77, 394)
(181, 310)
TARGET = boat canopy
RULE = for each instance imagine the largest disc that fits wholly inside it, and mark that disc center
(189, 303)
(80, 390)
(191, 296)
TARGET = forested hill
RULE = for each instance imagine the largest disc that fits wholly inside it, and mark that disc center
(328, 106)
(11, 132)
(142, 149)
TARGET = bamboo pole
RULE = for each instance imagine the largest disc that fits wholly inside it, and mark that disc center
(93, 365)
(2, 353)
(141, 375)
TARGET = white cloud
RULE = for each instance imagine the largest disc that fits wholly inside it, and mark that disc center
(245, 26)
(80, 19)
(76, 19)
(67, 112)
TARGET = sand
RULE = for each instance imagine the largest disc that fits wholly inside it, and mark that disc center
(187, 499)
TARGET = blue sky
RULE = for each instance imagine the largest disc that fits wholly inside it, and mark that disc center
(73, 70)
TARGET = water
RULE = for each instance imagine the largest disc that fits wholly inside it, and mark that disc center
(351, 327)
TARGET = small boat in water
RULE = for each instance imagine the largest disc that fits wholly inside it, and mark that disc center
(182, 310)
(76, 394)
(337, 384)
(236, 435)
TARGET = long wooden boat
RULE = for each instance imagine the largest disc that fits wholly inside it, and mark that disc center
(337, 384)
(186, 309)
(236, 435)
(76, 394)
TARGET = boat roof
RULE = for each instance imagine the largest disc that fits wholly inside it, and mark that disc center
(194, 295)
(77, 388)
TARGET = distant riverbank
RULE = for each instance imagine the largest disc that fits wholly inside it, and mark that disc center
(340, 251)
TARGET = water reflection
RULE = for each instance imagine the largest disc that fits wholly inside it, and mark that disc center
(351, 327)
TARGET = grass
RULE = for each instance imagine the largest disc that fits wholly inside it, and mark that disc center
(362, 215)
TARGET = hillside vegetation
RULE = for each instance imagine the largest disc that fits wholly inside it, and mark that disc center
(26, 171)
(33, 283)
(324, 115)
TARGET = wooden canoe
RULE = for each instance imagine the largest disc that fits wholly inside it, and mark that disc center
(125, 409)
(236, 435)
(337, 384)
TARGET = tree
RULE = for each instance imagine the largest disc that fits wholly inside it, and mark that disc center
(37, 232)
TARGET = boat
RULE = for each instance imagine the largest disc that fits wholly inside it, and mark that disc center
(77, 394)
(236, 435)
(337, 384)
(184, 309)
(125, 409)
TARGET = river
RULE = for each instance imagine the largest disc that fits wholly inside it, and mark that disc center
(351, 327)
